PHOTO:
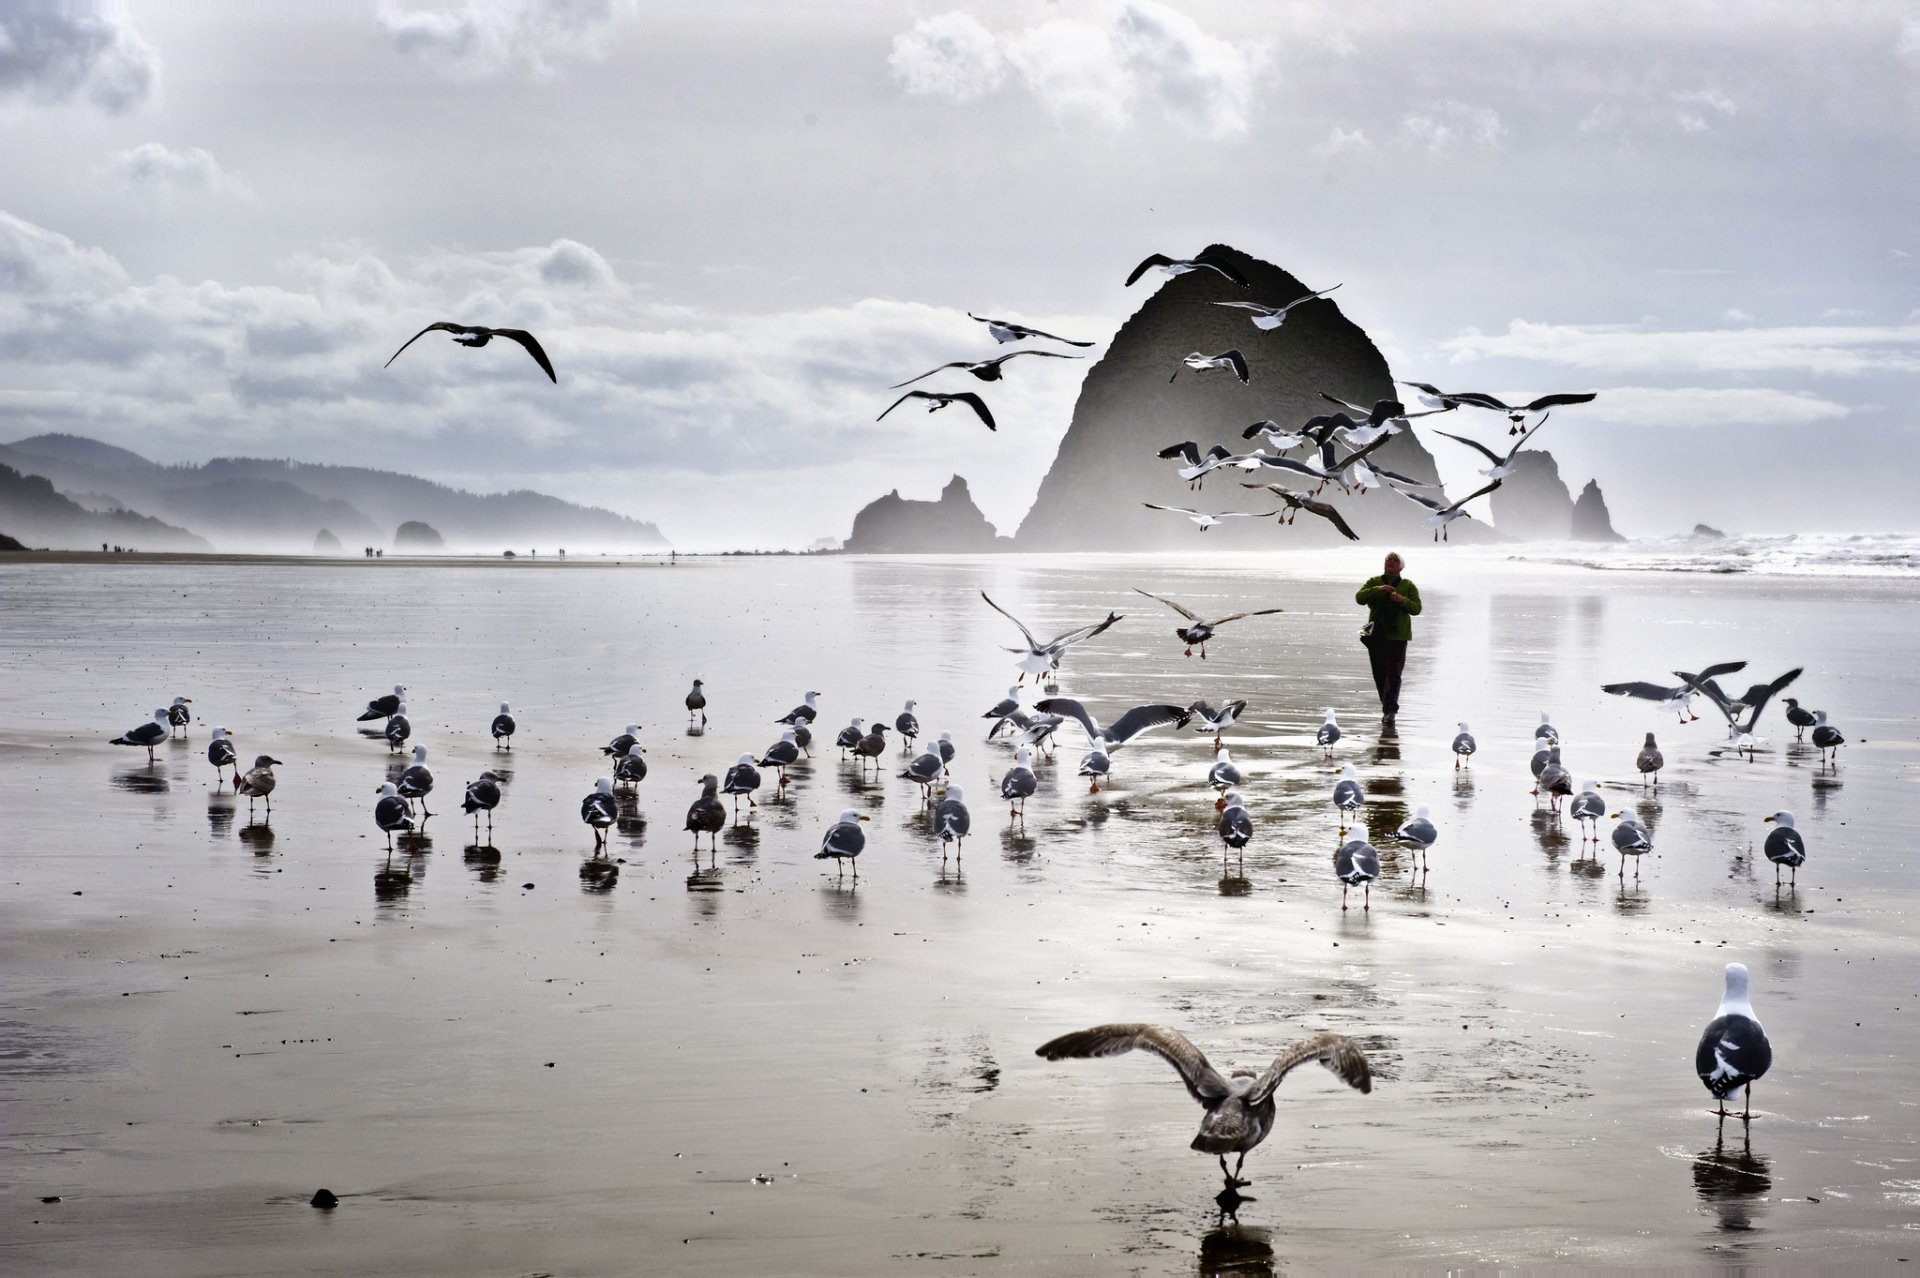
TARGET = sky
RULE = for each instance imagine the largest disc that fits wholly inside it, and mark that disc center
(734, 224)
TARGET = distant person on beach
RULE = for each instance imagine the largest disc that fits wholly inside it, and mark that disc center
(1391, 602)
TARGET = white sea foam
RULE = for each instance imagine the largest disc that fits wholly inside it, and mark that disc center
(1785, 554)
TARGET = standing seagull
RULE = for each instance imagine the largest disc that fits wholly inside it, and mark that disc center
(1630, 839)
(1007, 331)
(631, 768)
(951, 821)
(697, 703)
(1827, 738)
(1240, 1108)
(483, 795)
(906, 725)
(849, 736)
(1650, 761)
(1784, 846)
(1201, 362)
(1734, 1051)
(1356, 864)
(806, 712)
(1040, 659)
(1235, 827)
(1546, 731)
(1329, 734)
(1003, 707)
(600, 810)
(923, 771)
(987, 370)
(1223, 776)
(390, 815)
(1198, 631)
(618, 747)
(742, 778)
(399, 728)
(1418, 834)
(707, 814)
(383, 707)
(871, 746)
(178, 716)
(844, 841)
(473, 335)
(1463, 747)
(1272, 317)
(1348, 797)
(504, 727)
(258, 783)
(781, 753)
(1554, 778)
(1800, 719)
(1588, 806)
(417, 782)
(1096, 765)
(221, 755)
(152, 733)
(1018, 783)
(1182, 265)
(937, 401)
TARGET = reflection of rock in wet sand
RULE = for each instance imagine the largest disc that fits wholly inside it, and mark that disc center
(1732, 1183)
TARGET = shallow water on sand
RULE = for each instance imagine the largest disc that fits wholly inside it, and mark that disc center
(510, 1068)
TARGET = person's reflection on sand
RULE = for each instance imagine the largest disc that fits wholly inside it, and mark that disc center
(1386, 747)
(1732, 1183)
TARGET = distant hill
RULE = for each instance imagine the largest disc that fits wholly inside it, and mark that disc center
(261, 504)
(952, 525)
(31, 510)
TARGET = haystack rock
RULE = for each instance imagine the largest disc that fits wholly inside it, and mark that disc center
(416, 538)
(1128, 411)
(1591, 522)
(325, 543)
(951, 525)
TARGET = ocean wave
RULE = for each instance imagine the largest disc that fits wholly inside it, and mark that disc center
(1780, 554)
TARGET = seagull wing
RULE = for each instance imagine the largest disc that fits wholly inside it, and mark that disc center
(1255, 306)
(1203, 1081)
(1141, 718)
(1331, 515)
(1188, 613)
(1178, 510)
(903, 399)
(527, 340)
(1399, 478)
(1478, 492)
(1709, 689)
(1031, 645)
(978, 405)
(1429, 388)
(1023, 331)
(1186, 449)
(1224, 268)
(1336, 1051)
(1297, 467)
(1157, 259)
(1347, 405)
(1724, 668)
(1073, 710)
(957, 363)
(1550, 401)
(1067, 638)
(1237, 360)
(1237, 616)
(1044, 354)
(1479, 400)
(1475, 445)
(1265, 424)
(1418, 500)
(1641, 690)
(439, 326)
(1298, 301)
(1761, 693)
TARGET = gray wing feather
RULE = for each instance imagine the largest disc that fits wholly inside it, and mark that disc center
(1336, 1051)
(1203, 1081)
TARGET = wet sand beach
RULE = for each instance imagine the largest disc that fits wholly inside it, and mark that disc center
(513, 1068)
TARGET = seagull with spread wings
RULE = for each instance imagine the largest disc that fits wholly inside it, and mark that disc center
(1240, 1108)
(1124, 729)
(1517, 414)
(1502, 466)
(1204, 520)
(474, 335)
(987, 370)
(1297, 502)
(938, 401)
(1445, 514)
(1272, 317)
(1197, 464)
(1752, 701)
(1433, 397)
(1181, 266)
(1198, 630)
(1042, 659)
(1232, 360)
(1008, 331)
(1679, 699)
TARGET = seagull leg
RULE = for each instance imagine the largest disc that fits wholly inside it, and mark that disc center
(1367, 905)
(1344, 888)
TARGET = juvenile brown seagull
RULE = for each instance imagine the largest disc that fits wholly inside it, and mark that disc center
(1240, 1106)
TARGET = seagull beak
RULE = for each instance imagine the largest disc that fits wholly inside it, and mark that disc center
(865, 817)
(1768, 820)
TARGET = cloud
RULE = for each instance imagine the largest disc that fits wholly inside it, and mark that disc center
(1711, 100)
(165, 175)
(1664, 407)
(1445, 125)
(54, 53)
(488, 39)
(1137, 54)
(1734, 315)
(1342, 140)
(1820, 350)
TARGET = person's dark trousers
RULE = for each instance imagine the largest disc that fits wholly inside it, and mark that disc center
(1389, 658)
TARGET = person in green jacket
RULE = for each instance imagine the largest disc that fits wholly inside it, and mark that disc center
(1391, 601)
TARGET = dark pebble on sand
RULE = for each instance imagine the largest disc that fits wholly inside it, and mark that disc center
(51, 1198)
(527, 886)
(324, 1199)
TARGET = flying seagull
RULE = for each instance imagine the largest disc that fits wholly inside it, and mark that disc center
(1270, 317)
(1517, 414)
(1502, 465)
(1752, 701)
(1444, 515)
(1128, 726)
(1197, 465)
(1180, 266)
(1297, 503)
(1205, 520)
(1678, 699)
(1433, 397)
(987, 370)
(472, 335)
(1199, 630)
(938, 401)
(1008, 331)
(1382, 412)
(1239, 1106)
(1044, 658)
(1200, 363)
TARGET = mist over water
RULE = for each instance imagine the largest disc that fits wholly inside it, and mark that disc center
(740, 1065)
